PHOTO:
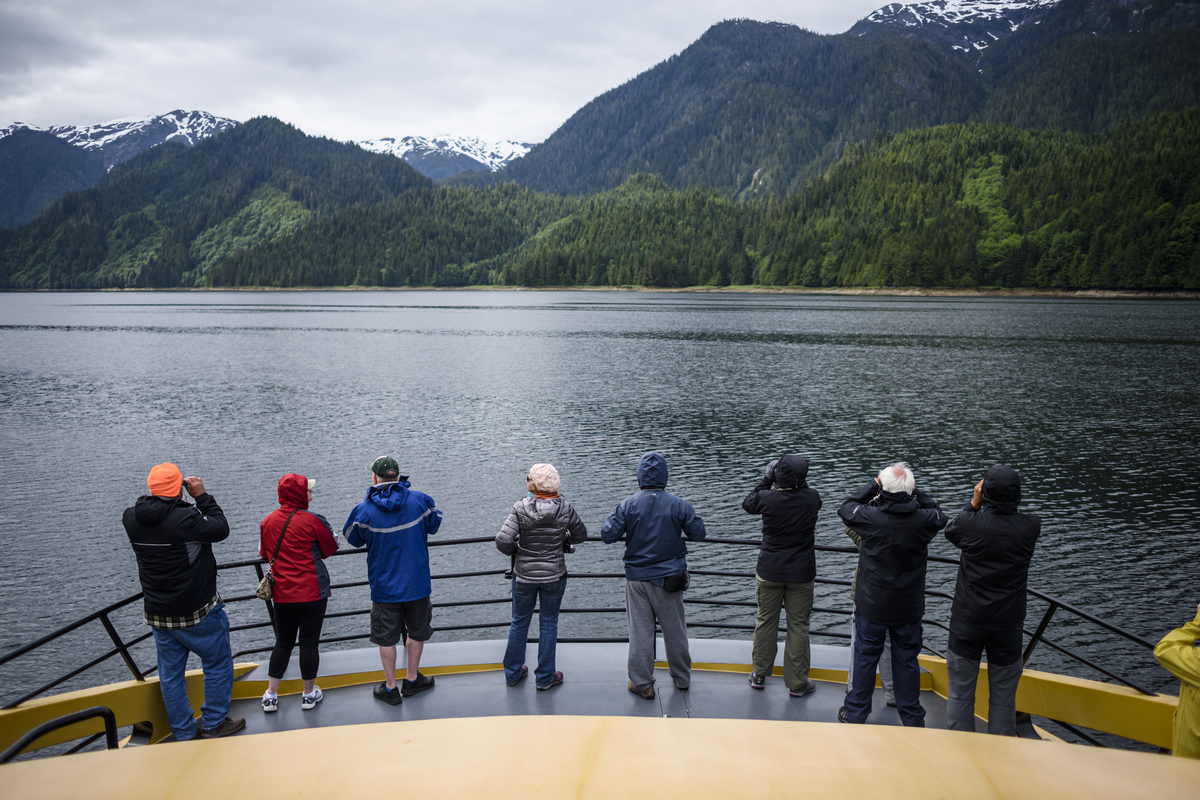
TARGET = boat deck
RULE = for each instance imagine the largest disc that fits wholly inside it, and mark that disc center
(595, 684)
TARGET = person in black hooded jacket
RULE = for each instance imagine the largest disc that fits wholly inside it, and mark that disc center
(786, 570)
(172, 541)
(989, 600)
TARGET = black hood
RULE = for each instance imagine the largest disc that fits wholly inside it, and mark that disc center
(791, 472)
(150, 509)
(1002, 489)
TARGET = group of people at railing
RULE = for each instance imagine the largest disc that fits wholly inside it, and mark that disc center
(889, 519)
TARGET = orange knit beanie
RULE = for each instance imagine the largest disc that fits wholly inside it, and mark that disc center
(165, 480)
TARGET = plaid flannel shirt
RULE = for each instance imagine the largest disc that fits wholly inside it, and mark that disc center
(187, 621)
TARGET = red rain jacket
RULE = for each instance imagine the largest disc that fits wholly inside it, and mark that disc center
(299, 569)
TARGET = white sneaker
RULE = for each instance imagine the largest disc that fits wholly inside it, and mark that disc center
(308, 701)
(270, 703)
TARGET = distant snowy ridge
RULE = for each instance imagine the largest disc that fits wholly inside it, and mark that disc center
(489, 155)
(120, 139)
(967, 25)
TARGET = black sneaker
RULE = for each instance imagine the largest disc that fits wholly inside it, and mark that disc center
(409, 688)
(555, 680)
(757, 681)
(808, 688)
(843, 716)
(390, 696)
(226, 728)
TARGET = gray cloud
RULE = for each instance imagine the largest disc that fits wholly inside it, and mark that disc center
(355, 69)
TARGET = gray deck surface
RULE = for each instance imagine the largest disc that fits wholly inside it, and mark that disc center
(595, 684)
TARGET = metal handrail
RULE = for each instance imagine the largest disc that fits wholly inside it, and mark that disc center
(110, 730)
(121, 647)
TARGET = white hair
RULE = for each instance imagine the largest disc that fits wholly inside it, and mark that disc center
(545, 478)
(898, 479)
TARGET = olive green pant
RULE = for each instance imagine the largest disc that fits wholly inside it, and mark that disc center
(797, 600)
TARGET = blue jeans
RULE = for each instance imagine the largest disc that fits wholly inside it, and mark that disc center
(525, 596)
(210, 641)
(906, 671)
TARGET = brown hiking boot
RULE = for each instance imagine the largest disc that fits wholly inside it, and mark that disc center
(647, 693)
(226, 728)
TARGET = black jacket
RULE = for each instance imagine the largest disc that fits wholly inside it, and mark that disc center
(173, 543)
(997, 544)
(789, 518)
(896, 530)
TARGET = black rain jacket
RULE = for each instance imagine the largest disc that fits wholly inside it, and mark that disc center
(172, 540)
(896, 530)
(997, 545)
(789, 519)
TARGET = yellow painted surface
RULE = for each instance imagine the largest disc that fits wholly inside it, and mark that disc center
(1091, 704)
(130, 701)
(829, 675)
(608, 757)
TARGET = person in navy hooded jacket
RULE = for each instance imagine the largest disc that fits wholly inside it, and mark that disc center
(394, 523)
(655, 572)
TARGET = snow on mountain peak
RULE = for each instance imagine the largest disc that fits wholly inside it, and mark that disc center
(491, 154)
(967, 24)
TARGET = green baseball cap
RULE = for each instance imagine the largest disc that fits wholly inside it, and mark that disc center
(386, 467)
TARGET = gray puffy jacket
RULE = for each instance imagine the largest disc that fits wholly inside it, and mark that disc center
(535, 530)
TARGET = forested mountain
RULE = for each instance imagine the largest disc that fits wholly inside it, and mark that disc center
(752, 106)
(167, 215)
(758, 108)
(955, 205)
(37, 168)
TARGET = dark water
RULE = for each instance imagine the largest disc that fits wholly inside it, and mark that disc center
(1094, 402)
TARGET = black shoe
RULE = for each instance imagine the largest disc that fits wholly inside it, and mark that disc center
(891, 703)
(409, 688)
(555, 680)
(522, 676)
(917, 724)
(808, 688)
(226, 728)
(757, 681)
(844, 717)
(390, 696)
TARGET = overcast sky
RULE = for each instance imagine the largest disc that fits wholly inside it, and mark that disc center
(355, 69)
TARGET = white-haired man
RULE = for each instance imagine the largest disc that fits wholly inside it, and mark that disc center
(896, 522)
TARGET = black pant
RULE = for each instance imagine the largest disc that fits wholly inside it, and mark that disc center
(1003, 647)
(290, 619)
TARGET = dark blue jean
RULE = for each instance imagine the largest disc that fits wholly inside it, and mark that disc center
(210, 641)
(906, 671)
(548, 597)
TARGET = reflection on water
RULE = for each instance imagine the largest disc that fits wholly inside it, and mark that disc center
(1092, 401)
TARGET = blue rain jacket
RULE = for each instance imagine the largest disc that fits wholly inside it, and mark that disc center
(651, 522)
(394, 522)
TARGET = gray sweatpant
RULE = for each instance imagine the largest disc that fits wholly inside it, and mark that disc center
(644, 602)
(1002, 694)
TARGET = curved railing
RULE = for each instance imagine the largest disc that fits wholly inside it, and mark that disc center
(122, 647)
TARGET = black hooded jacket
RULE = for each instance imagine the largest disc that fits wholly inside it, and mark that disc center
(896, 530)
(789, 518)
(997, 545)
(172, 540)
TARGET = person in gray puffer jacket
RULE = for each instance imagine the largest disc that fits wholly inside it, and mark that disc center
(536, 534)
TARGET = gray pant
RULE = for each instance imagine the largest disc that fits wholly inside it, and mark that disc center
(797, 600)
(1002, 695)
(885, 667)
(644, 602)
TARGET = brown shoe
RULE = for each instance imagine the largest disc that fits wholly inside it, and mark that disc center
(647, 693)
(226, 728)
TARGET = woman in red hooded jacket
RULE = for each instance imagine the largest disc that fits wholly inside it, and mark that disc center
(301, 589)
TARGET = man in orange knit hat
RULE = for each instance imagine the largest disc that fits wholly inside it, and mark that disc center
(172, 540)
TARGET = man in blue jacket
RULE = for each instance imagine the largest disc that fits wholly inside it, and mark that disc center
(394, 523)
(655, 572)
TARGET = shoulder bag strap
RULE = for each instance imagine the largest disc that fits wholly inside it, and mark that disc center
(280, 542)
